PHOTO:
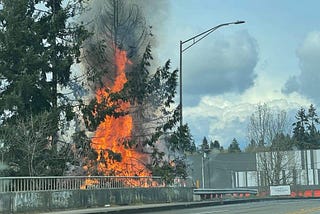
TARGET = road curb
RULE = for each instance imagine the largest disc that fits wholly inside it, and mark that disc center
(133, 209)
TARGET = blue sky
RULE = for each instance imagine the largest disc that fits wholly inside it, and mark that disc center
(272, 58)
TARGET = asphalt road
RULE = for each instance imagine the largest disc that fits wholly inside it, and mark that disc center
(302, 206)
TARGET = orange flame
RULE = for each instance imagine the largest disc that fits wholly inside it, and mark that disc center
(112, 132)
(89, 183)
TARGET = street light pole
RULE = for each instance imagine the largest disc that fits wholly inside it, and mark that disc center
(202, 168)
(195, 39)
(180, 76)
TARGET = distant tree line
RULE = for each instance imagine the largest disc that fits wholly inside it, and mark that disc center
(275, 141)
(271, 130)
(214, 146)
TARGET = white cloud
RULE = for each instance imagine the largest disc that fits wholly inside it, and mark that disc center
(225, 117)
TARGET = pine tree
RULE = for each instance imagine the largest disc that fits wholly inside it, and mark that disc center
(181, 141)
(313, 133)
(305, 131)
(299, 130)
(234, 146)
(38, 44)
(205, 146)
(38, 47)
(215, 145)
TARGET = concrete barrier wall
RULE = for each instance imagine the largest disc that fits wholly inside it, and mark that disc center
(20, 202)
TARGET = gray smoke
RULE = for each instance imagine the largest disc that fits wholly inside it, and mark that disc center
(156, 13)
(113, 24)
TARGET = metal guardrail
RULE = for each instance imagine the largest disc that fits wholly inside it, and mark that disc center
(29, 184)
(225, 191)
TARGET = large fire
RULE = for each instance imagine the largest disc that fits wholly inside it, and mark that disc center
(113, 132)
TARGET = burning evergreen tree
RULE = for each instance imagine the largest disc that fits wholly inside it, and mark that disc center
(135, 114)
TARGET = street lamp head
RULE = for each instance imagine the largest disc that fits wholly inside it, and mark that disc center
(195, 39)
(239, 22)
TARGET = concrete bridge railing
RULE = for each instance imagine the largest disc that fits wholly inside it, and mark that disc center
(41, 194)
(27, 184)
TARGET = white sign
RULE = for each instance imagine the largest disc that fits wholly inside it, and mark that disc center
(280, 190)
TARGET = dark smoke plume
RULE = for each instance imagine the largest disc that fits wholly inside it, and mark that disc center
(113, 23)
(129, 24)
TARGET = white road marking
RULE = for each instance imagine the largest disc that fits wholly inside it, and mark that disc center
(214, 211)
